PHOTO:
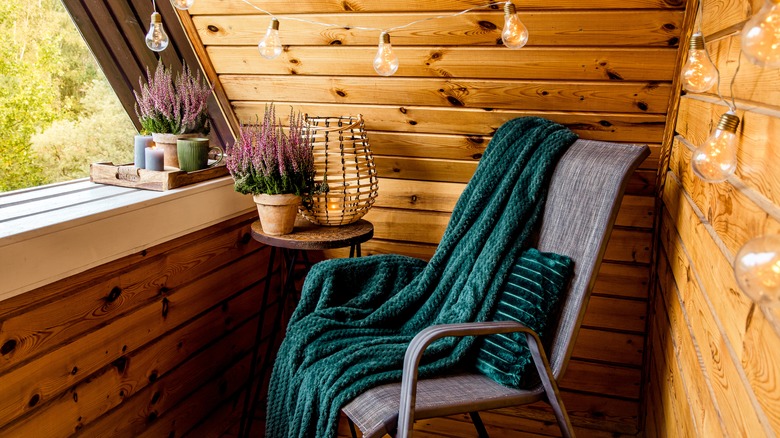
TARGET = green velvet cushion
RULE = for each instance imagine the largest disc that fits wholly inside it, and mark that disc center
(529, 296)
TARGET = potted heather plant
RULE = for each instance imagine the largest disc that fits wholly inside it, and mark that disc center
(277, 168)
(170, 108)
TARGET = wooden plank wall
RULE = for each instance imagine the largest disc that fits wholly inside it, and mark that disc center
(604, 68)
(148, 345)
(714, 356)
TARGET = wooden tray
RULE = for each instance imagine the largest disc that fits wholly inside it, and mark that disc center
(127, 175)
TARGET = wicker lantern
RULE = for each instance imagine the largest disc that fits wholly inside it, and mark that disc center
(345, 182)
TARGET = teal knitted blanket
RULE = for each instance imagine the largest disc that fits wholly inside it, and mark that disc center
(356, 317)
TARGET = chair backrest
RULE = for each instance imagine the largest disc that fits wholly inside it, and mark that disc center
(585, 193)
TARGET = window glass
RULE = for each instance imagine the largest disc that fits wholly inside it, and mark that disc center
(58, 113)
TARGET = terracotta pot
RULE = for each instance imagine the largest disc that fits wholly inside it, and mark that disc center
(277, 212)
(168, 143)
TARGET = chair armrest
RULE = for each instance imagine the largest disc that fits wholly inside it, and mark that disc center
(422, 340)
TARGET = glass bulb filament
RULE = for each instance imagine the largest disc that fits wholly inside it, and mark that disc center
(271, 46)
(156, 38)
(761, 36)
(716, 159)
(515, 34)
(385, 61)
(699, 74)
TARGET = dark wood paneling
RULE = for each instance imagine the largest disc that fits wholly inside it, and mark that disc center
(150, 340)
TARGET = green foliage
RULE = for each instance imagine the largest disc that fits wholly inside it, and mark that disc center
(102, 132)
(46, 71)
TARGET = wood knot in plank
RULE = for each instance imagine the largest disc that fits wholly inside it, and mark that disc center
(613, 75)
(114, 294)
(120, 364)
(487, 25)
(454, 101)
(8, 346)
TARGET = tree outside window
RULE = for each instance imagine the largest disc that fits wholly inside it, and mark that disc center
(58, 113)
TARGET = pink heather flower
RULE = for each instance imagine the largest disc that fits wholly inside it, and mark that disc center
(266, 160)
(171, 106)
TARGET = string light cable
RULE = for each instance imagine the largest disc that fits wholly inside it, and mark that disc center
(514, 34)
(377, 29)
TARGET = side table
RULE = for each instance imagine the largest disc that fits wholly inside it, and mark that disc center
(306, 236)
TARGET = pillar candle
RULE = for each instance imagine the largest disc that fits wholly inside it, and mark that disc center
(141, 143)
(154, 158)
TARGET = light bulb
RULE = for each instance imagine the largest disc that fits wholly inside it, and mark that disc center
(385, 61)
(716, 159)
(757, 269)
(515, 34)
(699, 73)
(761, 36)
(183, 4)
(156, 38)
(271, 46)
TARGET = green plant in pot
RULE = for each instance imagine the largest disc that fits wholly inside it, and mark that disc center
(172, 108)
(274, 166)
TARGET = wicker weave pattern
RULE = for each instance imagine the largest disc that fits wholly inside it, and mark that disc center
(345, 175)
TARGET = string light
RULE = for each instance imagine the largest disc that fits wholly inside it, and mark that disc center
(757, 269)
(183, 4)
(515, 34)
(699, 74)
(385, 61)
(716, 159)
(271, 46)
(761, 36)
(156, 38)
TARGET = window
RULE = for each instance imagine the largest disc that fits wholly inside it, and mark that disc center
(58, 112)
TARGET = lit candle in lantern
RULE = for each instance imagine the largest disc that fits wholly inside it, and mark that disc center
(154, 158)
(335, 201)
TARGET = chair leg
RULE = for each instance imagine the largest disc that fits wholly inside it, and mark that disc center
(479, 425)
(352, 428)
(550, 386)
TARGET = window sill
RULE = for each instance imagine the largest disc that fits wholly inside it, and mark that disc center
(52, 232)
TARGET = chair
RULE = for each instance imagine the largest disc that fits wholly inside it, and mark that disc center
(584, 197)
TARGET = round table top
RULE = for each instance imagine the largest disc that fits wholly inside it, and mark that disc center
(309, 236)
